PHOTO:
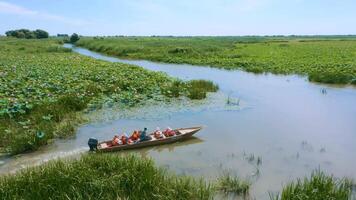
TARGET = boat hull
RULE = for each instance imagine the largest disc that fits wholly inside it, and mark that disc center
(167, 140)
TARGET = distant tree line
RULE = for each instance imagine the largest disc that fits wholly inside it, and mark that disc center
(28, 34)
(62, 35)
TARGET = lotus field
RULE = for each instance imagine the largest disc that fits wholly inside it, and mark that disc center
(44, 86)
(330, 59)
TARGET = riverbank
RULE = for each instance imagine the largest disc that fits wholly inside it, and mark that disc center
(111, 176)
(322, 59)
(101, 176)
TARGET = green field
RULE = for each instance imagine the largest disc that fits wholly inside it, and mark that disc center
(44, 87)
(328, 59)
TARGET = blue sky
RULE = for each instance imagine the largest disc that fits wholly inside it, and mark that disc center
(181, 17)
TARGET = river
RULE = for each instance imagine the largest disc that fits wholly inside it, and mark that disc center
(290, 125)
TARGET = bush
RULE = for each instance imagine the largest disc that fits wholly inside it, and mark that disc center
(40, 34)
(25, 33)
(74, 38)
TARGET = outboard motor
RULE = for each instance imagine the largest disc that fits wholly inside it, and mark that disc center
(92, 143)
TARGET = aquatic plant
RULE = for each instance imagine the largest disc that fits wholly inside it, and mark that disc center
(318, 186)
(101, 176)
(323, 59)
(232, 101)
(46, 86)
(233, 184)
(197, 89)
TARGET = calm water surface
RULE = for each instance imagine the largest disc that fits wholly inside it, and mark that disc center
(285, 120)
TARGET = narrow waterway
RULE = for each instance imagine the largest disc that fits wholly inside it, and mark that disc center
(290, 125)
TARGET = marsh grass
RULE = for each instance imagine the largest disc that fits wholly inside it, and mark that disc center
(101, 176)
(323, 59)
(194, 89)
(330, 77)
(318, 186)
(197, 89)
(232, 184)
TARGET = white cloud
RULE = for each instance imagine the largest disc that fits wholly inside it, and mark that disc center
(8, 8)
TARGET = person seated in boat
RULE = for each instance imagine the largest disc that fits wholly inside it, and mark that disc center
(130, 141)
(144, 136)
(124, 138)
(135, 136)
(115, 141)
(168, 132)
(158, 133)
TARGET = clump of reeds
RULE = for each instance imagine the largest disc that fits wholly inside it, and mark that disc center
(233, 184)
(317, 187)
(100, 176)
(197, 89)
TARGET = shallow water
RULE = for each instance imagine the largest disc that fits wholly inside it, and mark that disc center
(285, 120)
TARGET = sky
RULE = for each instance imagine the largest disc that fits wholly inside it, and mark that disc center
(181, 17)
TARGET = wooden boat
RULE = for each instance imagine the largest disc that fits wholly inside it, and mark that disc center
(181, 134)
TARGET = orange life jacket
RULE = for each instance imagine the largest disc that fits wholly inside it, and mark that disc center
(124, 140)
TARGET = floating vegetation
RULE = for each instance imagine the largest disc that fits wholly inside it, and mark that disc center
(103, 176)
(327, 60)
(233, 184)
(318, 186)
(44, 87)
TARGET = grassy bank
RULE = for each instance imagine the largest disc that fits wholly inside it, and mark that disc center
(322, 59)
(101, 177)
(45, 87)
(111, 176)
(318, 186)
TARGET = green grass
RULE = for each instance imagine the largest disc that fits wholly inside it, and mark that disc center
(233, 184)
(111, 176)
(328, 59)
(197, 89)
(45, 87)
(194, 89)
(318, 186)
(96, 176)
